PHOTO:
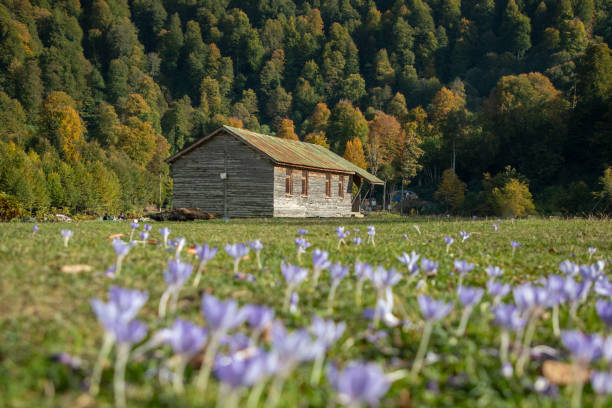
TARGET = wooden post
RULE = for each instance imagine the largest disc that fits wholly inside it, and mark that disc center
(225, 180)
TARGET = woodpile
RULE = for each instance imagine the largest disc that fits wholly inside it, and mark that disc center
(182, 214)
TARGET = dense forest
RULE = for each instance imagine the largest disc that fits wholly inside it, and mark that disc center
(477, 99)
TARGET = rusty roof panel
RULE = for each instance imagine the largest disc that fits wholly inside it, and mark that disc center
(290, 152)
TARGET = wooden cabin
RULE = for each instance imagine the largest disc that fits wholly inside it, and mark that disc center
(238, 173)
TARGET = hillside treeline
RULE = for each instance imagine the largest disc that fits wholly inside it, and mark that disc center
(95, 94)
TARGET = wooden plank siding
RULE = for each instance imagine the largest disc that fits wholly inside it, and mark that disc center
(316, 203)
(249, 184)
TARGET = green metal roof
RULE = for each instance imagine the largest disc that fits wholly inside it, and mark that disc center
(290, 152)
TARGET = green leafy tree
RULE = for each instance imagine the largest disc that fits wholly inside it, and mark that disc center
(451, 190)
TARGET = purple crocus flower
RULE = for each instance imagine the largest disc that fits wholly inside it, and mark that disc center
(222, 316)
(121, 249)
(205, 254)
(410, 261)
(508, 317)
(144, 235)
(429, 267)
(583, 347)
(256, 246)
(320, 262)
(134, 225)
(433, 310)
(603, 287)
(239, 370)
(148, 227)
(371, 233)
(357, 241)
(601, 382)
(383, 278)
(495, 227)
(417, 228)
(237, 251)
(294, 300)
(592, 251)
(528, 297)
(294, 275)
(464, 235)
(175, 276)
(463, 267)
(66, 234)
(497, 289)
(362, 272)
(469, 296)
(514, 245)
(259, 317)
(302, 245)
(494, 272)
(569, 268)
(292, 347)
(302, 232)
(165, 233)
(604, 311)
(326, 333)
(177, 273)
(178, 244)
(185, 338)
(35, 229)
(337, 273)
(117, 317)
(448, 241)
(341, 234)
(359, 383)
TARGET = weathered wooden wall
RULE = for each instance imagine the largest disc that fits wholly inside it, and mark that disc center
(197, 181)
(316, 204)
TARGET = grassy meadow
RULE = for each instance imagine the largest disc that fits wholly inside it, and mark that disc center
(45, 311)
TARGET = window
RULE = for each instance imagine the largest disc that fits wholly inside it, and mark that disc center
(341, 186)
(304, 183)
(328, 185)
(288, 182)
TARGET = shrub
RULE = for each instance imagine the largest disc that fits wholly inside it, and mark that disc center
(451, 191)
(606, 191)
(514, 199)
(10, 207)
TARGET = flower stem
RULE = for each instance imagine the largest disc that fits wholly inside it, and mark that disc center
(315, 277)
(418, 361)
(228, 397)
(503, 347)
(317, 367)
(465, 316)
(118, 265)
(107, 344)
(330, 297)
(174, 300)
(236, 263)
(177, 382)
(555, 320)
(255, 394)
(206, 367)
(358, 291)
(258, 257)
(287, 297)
(163, 302)
(577, 392)
(196, 280)
(275, 391)
(526, 349)
(123, 353)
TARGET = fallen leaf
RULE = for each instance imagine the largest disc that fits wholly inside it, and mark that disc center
(191, 250)
(74, 269)
(113, 236)
(152, 242)
(560, 373)
(84, 401)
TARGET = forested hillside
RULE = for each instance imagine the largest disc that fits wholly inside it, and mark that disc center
(94, 95)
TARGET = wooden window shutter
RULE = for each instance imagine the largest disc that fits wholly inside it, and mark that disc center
(288, 182)
(304, 183)
(340, 186)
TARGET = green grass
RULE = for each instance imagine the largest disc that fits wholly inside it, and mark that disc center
(45, 311)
